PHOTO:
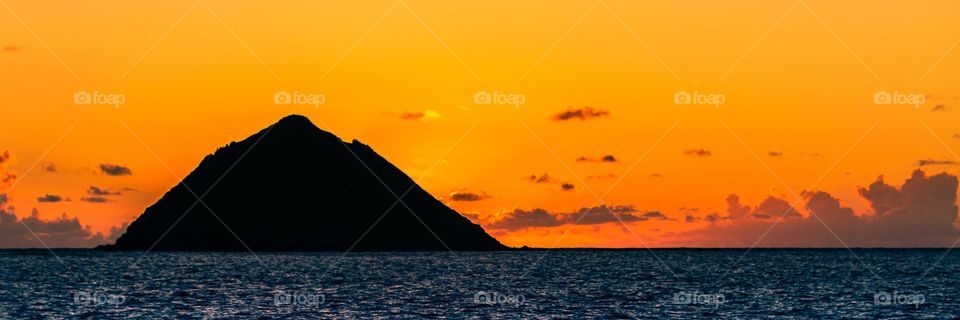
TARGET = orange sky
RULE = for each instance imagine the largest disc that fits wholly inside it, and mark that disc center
(798, 78)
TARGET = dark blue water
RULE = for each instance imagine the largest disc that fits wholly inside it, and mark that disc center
(679, 284)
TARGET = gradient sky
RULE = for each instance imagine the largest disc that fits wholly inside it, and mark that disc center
(798, 77)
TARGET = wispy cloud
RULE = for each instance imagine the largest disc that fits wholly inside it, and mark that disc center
(50, 198)
(115, 170)
(607, 158)
(700, 153)
(94, 199)
(97, 191)
(468, 196)
(585, 113)
(933, 162)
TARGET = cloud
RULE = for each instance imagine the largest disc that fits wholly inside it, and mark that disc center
(774, 208)
(521, 219)
(712, 217)
(956, 135)
(61, 232)
(919, 213)
(939, 107)
(11, 48)
(775, 153)
(607, 158)
(585, 113)
(94, 199)
(735, 209)
(115, 170)
(700, 153)
(419, 115)
(50, 198)
(49, 167)
(97, 191)
(544, 178)
(467, 196)
(6, 178)
(932, 162)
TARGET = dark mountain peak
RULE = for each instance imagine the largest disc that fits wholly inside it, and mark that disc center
(296, 124)
(296, 119)
(293, 186)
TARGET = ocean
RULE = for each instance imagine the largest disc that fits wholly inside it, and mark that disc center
(574, 284)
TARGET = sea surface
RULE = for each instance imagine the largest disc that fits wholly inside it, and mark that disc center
(572, 284)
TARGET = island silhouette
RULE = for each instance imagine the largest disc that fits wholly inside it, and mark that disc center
(295, 187)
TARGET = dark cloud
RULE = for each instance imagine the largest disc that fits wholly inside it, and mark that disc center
(956, 135)
(698, 153)
(50, 198)
(653, 215)
(544, 178)
(712, 217)
(94, 199)
(467, 196)
(775, 153)
(585, 113)
(521, 219)
(115, 170)
(919, 213)
(11, 48)
(656, 175)
(774, 208)
(97, 191)
(49, 167)
(607, 158)
(933, 162)
(735, 209)
(6, 178)
(62, 232)
(939, 107)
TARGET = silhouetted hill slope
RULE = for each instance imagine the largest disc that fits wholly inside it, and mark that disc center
(299, 188)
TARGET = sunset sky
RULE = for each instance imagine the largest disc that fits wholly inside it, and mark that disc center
(598, 123)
